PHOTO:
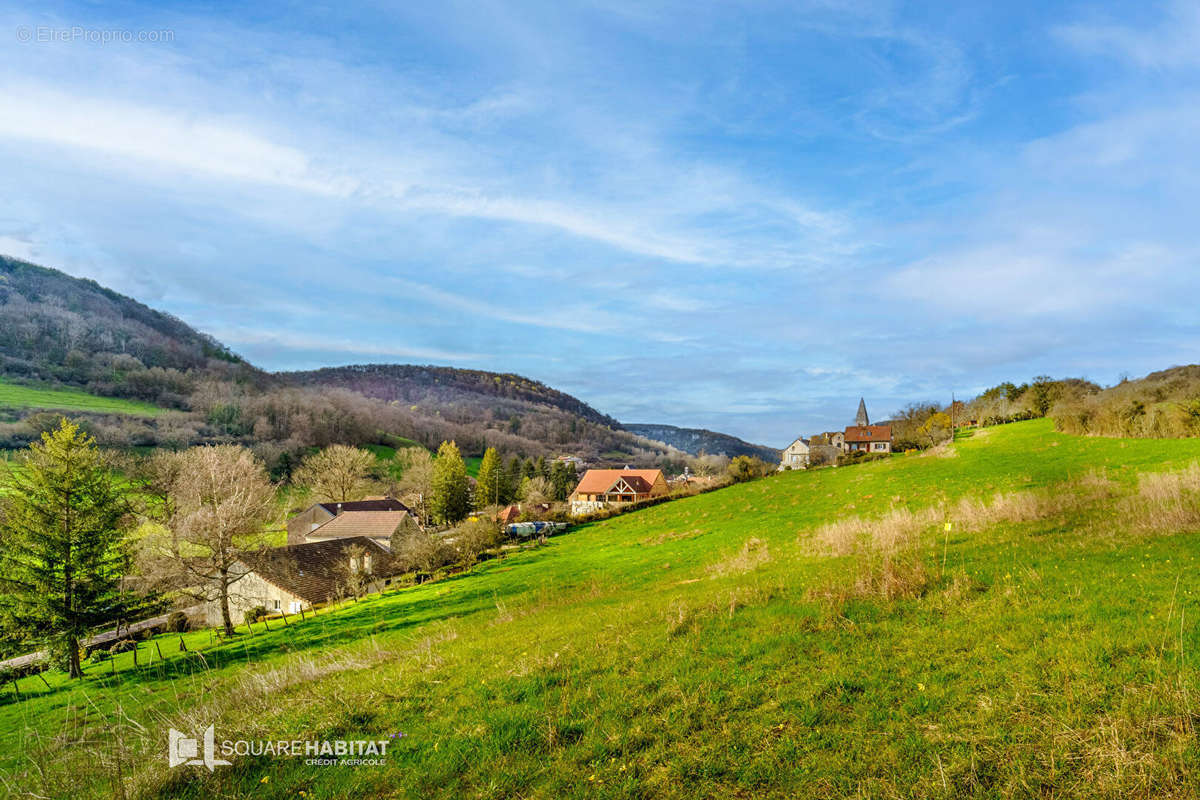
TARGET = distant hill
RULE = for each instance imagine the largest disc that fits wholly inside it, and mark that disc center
(699, 440)
(58, 329)
(408, 383)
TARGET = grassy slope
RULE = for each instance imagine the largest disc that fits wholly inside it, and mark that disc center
(387, 455)
(616, 662)
(16, 396)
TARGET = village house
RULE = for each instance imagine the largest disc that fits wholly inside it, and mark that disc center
(601, 487)
(796, 455)
(376, 519)
(299, 576)
(863, 436)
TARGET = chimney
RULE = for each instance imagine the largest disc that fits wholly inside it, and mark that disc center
(339, 509)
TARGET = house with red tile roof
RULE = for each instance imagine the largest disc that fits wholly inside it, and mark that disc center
(600, 488)
(863, 436)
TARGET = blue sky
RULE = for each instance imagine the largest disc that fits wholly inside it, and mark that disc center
(740, 216)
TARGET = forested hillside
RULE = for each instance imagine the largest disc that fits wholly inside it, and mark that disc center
(61, 329)
(58, 331)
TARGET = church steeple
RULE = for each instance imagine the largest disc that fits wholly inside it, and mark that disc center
(861, 420)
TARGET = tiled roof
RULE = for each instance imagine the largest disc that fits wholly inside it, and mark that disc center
(869, 433)
(375, 524)
(316, 570)
(599, 481)
(374, 504)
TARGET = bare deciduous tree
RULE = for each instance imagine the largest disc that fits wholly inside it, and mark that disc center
(416, 480)
(337, 474)
(218, 499)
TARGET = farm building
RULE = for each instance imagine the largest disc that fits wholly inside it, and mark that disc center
(299, 576)
(375, 519)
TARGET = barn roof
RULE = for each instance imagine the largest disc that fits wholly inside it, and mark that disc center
(373, 504)
(375, 524)
(316, 570)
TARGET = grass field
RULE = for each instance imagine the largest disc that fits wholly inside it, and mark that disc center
(733, 644)
(16, 396)
(387, 455)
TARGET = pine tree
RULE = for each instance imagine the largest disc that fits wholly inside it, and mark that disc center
(451, 501)
(512, 480)
(540, 467)
(563, 479)
(63, 533)
(490, 484)
(529, 468)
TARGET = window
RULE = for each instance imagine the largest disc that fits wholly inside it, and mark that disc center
(294, 607)
(276, 605)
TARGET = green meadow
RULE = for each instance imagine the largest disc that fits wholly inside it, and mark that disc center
(23, 397)
(812, 634)
(387, 456)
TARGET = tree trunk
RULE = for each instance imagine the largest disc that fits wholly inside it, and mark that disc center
(75, 670)
(226, 621)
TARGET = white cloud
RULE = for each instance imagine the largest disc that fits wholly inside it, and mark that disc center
(239, 337)
(17, 247)
(1171, 44)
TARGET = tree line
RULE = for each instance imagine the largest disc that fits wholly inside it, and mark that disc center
(88, 538)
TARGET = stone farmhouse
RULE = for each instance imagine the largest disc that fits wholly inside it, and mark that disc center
(300, 576)
(796, 455)
(600, 488)
(375, 519)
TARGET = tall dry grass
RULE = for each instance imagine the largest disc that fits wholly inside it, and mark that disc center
(891, 532)
(1165, 502)
(887, 557)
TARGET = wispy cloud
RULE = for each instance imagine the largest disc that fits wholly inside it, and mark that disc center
(741, 217)
(1168, 43)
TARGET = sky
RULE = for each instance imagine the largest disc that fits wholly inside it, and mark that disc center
(739, 216)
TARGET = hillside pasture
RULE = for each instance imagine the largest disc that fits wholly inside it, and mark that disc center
(816, 633)
(17, 396)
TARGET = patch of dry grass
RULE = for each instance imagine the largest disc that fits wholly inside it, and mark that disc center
(892, 531)
(752, 555)
(1167, 502)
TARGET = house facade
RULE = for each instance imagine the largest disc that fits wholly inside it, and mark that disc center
(796, 455)
(287, 579)
(600, 488)
(869, 438)
(865, 437)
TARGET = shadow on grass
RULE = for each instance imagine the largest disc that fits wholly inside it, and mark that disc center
(386, 614)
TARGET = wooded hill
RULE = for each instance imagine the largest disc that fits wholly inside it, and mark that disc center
(61, 331)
